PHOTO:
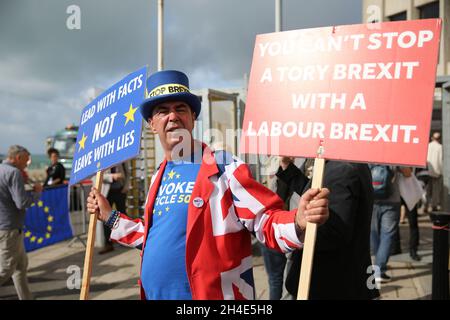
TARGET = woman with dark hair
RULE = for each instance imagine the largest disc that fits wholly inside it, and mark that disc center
(55, 172)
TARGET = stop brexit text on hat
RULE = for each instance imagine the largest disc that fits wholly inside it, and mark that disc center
(110, 128)
(168, 85)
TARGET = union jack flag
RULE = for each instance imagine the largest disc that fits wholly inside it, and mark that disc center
(218, 240)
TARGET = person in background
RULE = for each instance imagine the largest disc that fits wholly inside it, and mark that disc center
(342, 266)
(13, 202)
(411, 193)
(435, 183)
(386, 216)
(114, 188)
(275, 261)
(56, 173)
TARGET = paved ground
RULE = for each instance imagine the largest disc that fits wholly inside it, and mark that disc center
(52, 271)
(411, 279)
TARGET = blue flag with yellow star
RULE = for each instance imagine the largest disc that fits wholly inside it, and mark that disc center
(47, 220)
(110, 128)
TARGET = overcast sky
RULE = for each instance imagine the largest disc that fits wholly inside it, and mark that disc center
(48, 71)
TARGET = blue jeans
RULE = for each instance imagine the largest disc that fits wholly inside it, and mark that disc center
(274, 262)
(385, 219)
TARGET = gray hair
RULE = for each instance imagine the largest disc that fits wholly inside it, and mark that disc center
(15, 150)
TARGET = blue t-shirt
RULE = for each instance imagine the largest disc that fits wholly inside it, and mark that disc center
(163, 273)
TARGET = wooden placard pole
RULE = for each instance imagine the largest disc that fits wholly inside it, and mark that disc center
(87, 270)
(311, 232)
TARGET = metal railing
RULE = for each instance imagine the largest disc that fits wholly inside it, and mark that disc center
(77, 211)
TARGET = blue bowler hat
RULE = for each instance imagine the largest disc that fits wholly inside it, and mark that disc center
(168, 85)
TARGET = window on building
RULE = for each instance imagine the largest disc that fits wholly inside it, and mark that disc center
(398, 17)
(429, 10)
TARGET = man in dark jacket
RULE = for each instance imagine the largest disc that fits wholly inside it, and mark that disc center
(342, 265)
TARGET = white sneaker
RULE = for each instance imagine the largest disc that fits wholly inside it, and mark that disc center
(383, 278)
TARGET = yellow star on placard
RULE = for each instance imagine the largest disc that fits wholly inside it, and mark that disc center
(159, 212)
(50, 218)
(40, 204)
(167, 209)
(27, 234)
(49, 228)
(82, 142)
(40, 240)
(178, 176)
(46, 209)
(171, 174)
(33, 239)
(130, 114)
(47, 235)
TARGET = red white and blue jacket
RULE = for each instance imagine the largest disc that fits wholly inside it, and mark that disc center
(219, 227)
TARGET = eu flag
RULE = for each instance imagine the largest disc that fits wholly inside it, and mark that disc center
(47, 220)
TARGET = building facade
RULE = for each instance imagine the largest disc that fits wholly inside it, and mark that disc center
(396, 10)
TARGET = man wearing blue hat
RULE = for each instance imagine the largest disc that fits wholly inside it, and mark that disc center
(201, 209)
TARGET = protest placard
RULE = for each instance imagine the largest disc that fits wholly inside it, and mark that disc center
(109, 133)
(365, 91)
(110, 128)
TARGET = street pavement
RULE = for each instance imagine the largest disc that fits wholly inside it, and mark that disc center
(53, 272)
